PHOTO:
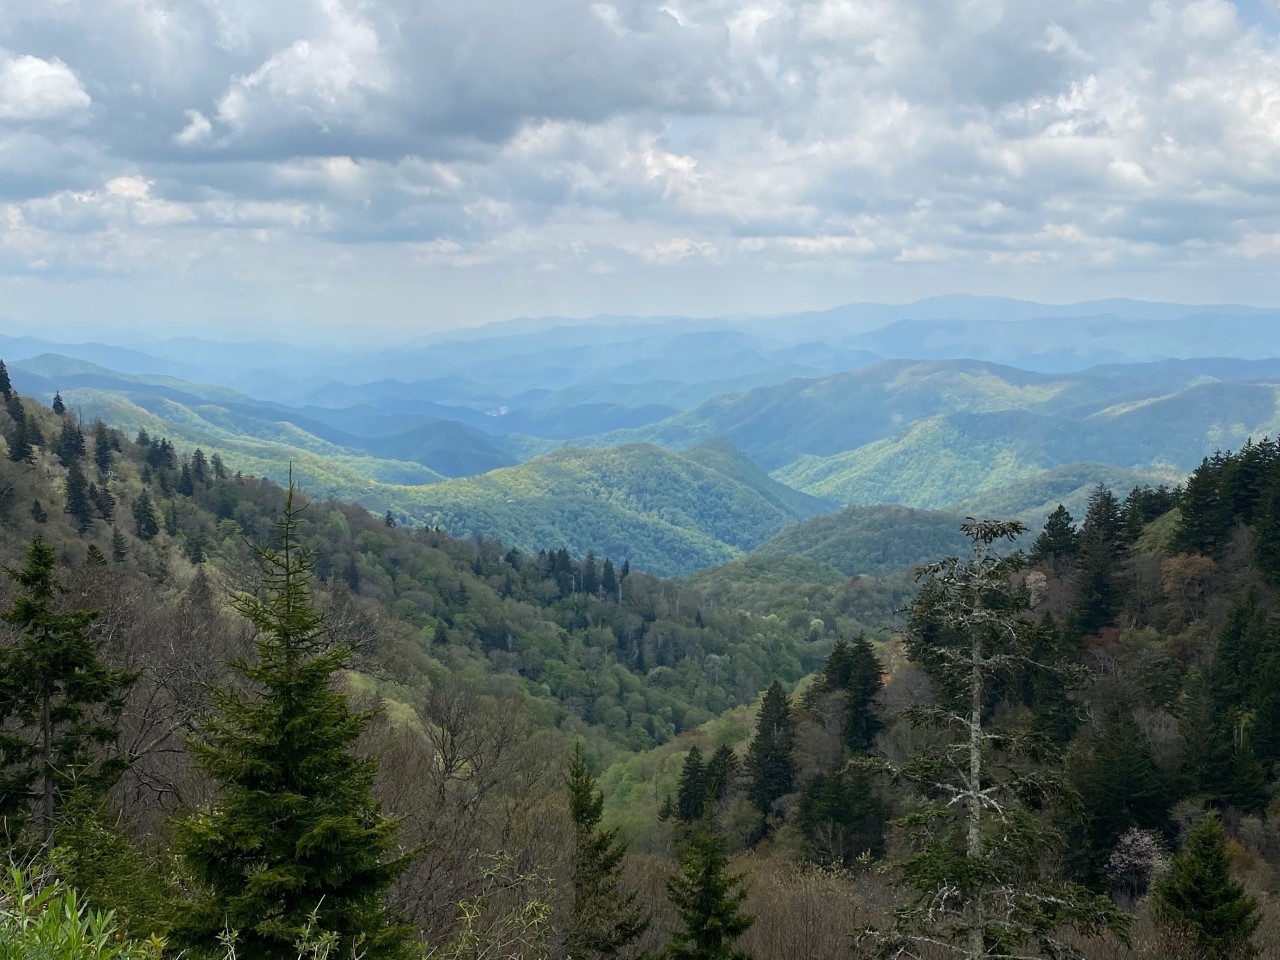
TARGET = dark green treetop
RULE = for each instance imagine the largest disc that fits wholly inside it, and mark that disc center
(295, 832)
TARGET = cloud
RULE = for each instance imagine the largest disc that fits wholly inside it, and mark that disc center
(36, 89)
(606, 143)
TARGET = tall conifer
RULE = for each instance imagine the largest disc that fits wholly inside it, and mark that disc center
(295, 831)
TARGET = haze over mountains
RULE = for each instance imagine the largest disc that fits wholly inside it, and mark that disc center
(693, 441)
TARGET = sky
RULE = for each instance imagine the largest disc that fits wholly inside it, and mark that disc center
(383, 167)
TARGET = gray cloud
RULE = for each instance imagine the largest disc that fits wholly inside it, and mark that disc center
(592, 153)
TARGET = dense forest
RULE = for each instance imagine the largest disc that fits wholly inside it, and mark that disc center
(237, 723)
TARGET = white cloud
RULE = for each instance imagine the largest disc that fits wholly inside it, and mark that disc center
(1114, 143)
(36, 89)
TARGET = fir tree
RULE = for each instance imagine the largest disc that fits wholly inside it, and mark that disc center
(708, 899)
(119, 547)
(721, 769)
(199, 468)
(219, 468)
(143, 439)
(21, 439)
(69, 447)
(102, 455)
(1058, 543)
(58, 697)
(1199, 900)
(38, 512)
(975, 871)
(603, 920)
(863, 685)
(295, 831)
(590, 576)
(388, 520)
(609, 580)
(841, 818)
(58, 406)
(144, 518)
(186, 486)
(103, 501)
(769, 761)
(6, 388)
(691, 797)
(94, 556)
(1102, 548)
(78, 504)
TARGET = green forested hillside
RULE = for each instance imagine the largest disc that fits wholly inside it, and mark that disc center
(670, 513)
(860, 541)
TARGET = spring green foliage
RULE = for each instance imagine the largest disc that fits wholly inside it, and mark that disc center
(295, 832)
(42, 919)
(603, 919)
(1199, 900)
(57, 700)
(708, 899)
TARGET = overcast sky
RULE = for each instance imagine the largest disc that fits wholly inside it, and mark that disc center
(414, 164)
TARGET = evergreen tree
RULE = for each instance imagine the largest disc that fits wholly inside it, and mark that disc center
(143, 439)
(691, 797)
(388, 520)
(769, 761)
(119, 548)
(21, 439)
(603, 920)
(1099, 594)
(296, 830)
(863, 685)
(102, 455)
(609, 580)
(69, 447)
(78, 504)
(103, 501)
(1206, 515)
(171, 519)
(590, 576)
(186, 486)
(721, 769)
(1058, 543)
(6, 388)
(94, 557)
(38, 512)
(144, 517)
(841, 818)
(708, 899)
(975, 872)
(1199, 900)
(58, 406)
(199, 468)
(219, 468)
(58, 700)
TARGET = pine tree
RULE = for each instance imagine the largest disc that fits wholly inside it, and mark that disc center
(769, 761)
(78, 504)
(58, 698)
(609, 580)
(603, 920)
(295, 830)
(389, 520)
(94, 556)
(144, 517)
(975, 871)
(38, 512)
(58, 406)
(186, 486)
(6, 388)
(708, 899)
(199, 468)
(841, 818)
(590, 576)
(1199, 900)
(691, 797)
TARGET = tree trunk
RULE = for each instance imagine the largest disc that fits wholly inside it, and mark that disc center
(977, 942)
(46, 725)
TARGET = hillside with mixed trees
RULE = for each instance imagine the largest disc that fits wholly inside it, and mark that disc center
(362, 738)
